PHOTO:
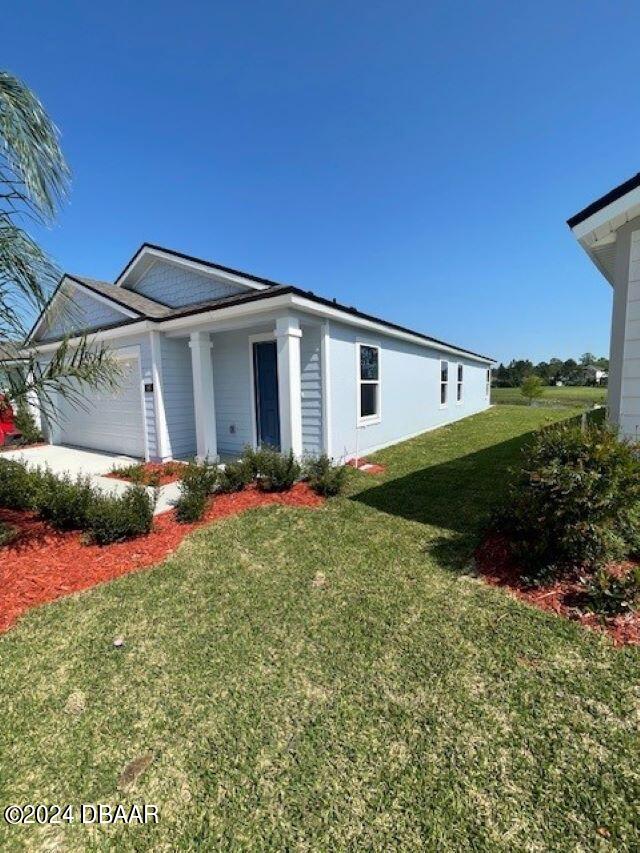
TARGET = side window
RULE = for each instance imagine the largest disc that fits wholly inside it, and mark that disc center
(369, 383)
(488, 386)
(460, 382)
(444, 382)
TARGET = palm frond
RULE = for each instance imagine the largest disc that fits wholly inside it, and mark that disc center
(34, 174)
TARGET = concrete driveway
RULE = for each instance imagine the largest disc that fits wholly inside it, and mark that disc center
(94, 464)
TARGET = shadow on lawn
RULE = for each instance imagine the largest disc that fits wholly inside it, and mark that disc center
(456, 496)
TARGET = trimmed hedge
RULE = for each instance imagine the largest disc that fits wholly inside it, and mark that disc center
(112, 518)
(198, 481)
(324, 477)
(69, 504)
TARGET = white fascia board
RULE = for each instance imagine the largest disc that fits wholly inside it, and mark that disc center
(380, 328)
(250, 310)
(619, 207)
(148, 253)
(103, 336)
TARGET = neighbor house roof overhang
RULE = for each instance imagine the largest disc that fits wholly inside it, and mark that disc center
(596, 226)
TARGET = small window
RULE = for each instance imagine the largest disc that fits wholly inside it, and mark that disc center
(488, 386)
(369, 382)
(460, 381)
(444, 382)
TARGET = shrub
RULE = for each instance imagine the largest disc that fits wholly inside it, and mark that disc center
(198, 482)
(113, 518)
(609, 594)
(575, 502)
(324, 477)
(18, 485)
(190, 506)
(26, 424)
(134, 472)
(274, 471)
(64, 502)
(8, 532)
(236, 476)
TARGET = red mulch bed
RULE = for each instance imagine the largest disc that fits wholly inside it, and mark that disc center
(43, 564)
(367, 467)
(155, 473)
(495, 564)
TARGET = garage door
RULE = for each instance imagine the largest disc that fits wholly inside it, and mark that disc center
(107, 420)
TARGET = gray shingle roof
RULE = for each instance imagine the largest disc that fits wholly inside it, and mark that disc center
(142, 305)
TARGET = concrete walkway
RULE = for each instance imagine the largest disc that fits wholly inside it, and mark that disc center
(90, 463)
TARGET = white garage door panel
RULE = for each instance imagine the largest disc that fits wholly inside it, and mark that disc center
(108, 420)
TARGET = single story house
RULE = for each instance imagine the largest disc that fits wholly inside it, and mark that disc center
(609, 232)
(215, 359)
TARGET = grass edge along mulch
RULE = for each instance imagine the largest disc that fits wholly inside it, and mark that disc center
(43, 564)
(497, 568)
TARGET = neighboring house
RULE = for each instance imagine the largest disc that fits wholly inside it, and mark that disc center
(595, 375)
(215, 359)
(609, 231)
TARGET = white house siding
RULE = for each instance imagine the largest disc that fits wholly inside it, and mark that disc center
(178, 397)
(311, 384)
(175, 286)
(80, 312)
(629, 404)
(409, 389)
(233, 391)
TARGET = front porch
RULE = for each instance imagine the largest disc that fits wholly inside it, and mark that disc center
(218, 388)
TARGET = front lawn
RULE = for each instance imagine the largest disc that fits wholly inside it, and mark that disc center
(329, 679)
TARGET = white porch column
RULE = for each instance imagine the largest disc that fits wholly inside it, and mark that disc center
(203, 398)
(33, 404)
(288, 334)
(163, 443)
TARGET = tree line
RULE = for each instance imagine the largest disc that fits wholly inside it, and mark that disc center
(569, 372)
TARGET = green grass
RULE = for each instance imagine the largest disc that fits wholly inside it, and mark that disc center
(392, 702)
(575, 397)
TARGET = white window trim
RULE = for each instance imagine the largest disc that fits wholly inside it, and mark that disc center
(459, 384)
(445, 383)
(368, 420)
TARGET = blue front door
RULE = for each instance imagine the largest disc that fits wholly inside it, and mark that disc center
(265, 372)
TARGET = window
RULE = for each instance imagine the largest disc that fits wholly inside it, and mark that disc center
(369, 382)
(488, 386)
(460, 380)
(444, 382)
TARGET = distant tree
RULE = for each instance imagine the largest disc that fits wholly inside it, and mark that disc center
(587, 358)
(532, 388)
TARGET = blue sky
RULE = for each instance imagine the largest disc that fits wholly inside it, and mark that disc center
(416, 160)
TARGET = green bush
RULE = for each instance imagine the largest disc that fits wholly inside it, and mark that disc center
(135, 472)
(8, 532)
(114, 518)
(18, 485)
(324, 477)
(235, 477)
(26, 424)
(609, 594)
(190, 506)
(64, 502)
(273, 471)
(575, 502)
(198, 482)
